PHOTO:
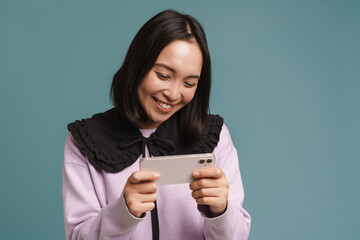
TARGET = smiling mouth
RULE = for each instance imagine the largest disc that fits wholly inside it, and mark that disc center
(164, 105)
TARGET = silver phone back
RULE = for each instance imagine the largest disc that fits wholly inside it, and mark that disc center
(176, 169)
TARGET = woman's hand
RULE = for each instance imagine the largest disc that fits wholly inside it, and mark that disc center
(210, 188)
(140, 192)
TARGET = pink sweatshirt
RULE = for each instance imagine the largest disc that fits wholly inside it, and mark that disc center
(94, 206)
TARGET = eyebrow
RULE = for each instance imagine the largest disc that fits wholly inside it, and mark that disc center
(173, 70)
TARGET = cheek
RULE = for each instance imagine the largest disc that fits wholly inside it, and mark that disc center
(188, 96)
(140, 94)
(144, 89)
(151, 86)
(143, 94)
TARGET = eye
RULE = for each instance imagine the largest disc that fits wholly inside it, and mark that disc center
(162, 76)
(189, 84)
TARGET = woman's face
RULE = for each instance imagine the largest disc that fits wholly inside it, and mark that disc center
(171, 83)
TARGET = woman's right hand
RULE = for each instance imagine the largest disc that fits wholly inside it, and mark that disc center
(140, 192)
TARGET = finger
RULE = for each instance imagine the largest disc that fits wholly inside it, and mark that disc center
(148, 206)
(145, 187)
(138, 209)
(133, 190)
(141, 176)
(217, 205)
(147, 198)
(141, 198)
(211, 172)
(210, 201)
(207, 183)
(209, 192)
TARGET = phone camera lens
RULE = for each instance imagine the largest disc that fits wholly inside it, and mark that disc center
(209, 160)
(202, 161)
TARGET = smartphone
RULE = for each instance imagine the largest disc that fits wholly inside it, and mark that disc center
(176, 169)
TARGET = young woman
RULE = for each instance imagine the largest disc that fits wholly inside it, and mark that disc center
(161, 97)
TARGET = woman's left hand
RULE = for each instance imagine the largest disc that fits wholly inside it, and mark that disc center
(211, 188)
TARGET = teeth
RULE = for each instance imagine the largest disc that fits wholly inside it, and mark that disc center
(163, 105)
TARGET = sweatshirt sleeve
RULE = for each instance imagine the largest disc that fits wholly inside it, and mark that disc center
(85, 218)
(235, 222)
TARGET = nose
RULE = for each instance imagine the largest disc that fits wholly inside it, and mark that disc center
(172, 93)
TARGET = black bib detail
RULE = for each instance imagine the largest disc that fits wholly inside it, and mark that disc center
(111, 143)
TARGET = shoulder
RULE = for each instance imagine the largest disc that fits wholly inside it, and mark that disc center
(72, 152)
(225, 144)
(98, 139)
(80, 145)
(214, 120)
(210, 134)
(225, 137)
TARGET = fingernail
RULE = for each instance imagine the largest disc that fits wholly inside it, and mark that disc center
(156, 176)
(196, 174)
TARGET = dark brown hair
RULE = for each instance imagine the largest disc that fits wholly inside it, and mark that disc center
(145, 48)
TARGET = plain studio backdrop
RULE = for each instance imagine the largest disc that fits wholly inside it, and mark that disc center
(286, 79)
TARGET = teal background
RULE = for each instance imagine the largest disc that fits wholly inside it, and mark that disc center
(286, 78)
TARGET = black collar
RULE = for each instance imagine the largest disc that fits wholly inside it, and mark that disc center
(112, 144)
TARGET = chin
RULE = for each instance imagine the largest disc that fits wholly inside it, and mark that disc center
(159, 121)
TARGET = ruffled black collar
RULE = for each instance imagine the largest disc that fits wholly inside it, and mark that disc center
(112, 144)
